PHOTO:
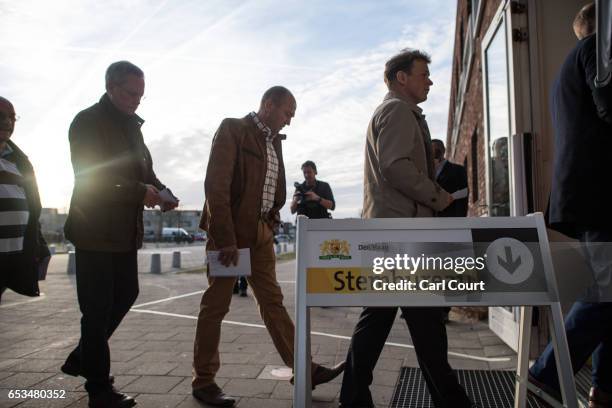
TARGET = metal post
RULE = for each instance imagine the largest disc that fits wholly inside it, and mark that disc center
(176, 259)
(156, 263)
(302, 392)
(71, 263)
(564, 364)
(520, 391)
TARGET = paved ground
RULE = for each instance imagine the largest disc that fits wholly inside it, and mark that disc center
(152, 349)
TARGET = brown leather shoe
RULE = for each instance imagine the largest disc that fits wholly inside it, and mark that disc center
(213, 395)
(324, 374)
(599, 399)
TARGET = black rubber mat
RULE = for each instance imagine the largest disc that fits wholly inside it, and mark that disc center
(489, 389)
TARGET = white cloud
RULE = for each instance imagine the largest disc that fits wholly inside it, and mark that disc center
(208, 60)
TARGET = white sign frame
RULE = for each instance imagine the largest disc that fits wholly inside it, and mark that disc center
(302, 396)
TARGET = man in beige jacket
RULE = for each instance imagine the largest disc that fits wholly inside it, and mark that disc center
(399, 183)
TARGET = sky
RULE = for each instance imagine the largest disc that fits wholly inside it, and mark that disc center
(205, 60)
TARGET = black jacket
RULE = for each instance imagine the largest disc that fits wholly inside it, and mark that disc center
(20, 270)
(313, 209)
(111, 167)
(452, 178)
(582, 117)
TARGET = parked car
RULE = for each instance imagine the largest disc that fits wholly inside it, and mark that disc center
(176, 235)
(282, 238)
(200, 236)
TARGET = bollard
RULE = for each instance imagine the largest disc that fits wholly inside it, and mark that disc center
(71, 263)
(52, 249)
(176, 259)
(156, 263)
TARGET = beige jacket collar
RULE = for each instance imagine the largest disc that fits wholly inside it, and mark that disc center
(411, 104)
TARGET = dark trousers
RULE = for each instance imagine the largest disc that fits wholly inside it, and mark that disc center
(241, 284)
(107, 286)
(428, 334)
(588, 325)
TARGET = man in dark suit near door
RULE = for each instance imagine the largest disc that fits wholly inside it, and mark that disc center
(452, 178)
(582, 122)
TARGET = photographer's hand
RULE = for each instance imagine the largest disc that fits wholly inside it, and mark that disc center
(312, 196)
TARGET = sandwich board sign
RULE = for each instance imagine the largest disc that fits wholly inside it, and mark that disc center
(496, 261)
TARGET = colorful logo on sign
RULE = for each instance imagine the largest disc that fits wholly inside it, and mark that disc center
(335, 249)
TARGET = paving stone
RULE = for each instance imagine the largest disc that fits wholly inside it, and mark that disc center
(454, 343)
(23, 380)
(151, 368)
(183, 370)
(263, 403)
(183, 387)
(152, 384)
(282, 390)
(159, 401)
(385, 377)
(381, 394)
(249, 388)
(9, 363)
(33, 365)
(61, 382)
(389, 364)
(467, 364)
(237, 358)
(239, 371)
(498, 350)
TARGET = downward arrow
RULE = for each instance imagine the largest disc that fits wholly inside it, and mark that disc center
(509, 264)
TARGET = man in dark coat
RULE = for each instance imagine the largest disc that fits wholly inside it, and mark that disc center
(114, 178)
(580, 208)
(22, 246)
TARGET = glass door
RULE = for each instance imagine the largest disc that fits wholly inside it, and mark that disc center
(505, 76)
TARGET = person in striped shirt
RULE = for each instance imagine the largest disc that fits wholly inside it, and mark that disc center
(22, 247)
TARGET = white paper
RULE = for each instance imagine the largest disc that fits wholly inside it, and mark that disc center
(167, 197)
(459, 194)
(215, 268)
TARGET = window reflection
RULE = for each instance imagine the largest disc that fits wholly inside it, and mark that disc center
(498, 121)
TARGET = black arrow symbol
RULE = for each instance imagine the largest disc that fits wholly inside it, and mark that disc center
(509, 264)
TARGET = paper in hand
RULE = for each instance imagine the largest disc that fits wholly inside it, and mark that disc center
(215, 268)
(168, 199)
(459, 194)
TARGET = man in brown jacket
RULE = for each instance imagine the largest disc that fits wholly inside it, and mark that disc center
(245, 189)
(399, 183)
(113, 179)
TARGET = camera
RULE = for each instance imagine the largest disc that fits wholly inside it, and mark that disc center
(300, 192)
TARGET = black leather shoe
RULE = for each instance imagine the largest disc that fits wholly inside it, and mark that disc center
(543, 388)
(111, 399)
(75, 372)
(213, 395)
